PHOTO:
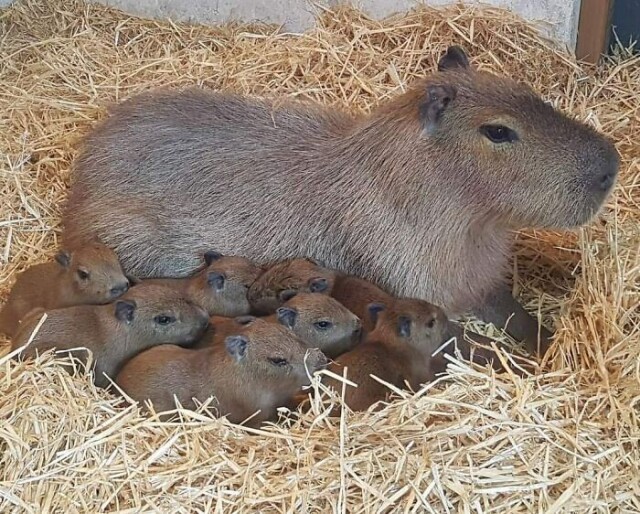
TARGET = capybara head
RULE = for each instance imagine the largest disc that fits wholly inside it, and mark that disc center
(417, 323)
(160, 313)
(94, 273)
(274, 354)
(321, 322)
(221, 287)
(511, 154)
(269, 291)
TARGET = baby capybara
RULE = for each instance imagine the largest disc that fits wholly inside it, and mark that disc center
(318, 320)
(278, 282)
(220, 287)
(273, 287)
(115, 332)
(258, 369)
(398, 350)
(89, 275)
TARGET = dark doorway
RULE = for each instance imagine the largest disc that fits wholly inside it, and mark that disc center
(625, 23)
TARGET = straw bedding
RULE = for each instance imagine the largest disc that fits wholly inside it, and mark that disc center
(566, 440)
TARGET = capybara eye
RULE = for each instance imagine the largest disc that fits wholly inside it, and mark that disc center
(499, 133)
(83, 274)
(431, 323)
(164, 320)
(278, 361)
(323, 325)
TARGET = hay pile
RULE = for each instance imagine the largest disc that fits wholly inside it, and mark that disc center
(567, 441)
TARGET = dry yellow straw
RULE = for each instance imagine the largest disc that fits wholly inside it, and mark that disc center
(471, 442)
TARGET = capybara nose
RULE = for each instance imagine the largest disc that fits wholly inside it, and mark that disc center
(203, 316)
(606, 181)
(318, 359)
(119, 290)
(607, 177)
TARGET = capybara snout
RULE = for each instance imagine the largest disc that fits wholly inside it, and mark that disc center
(119, 290)
(315, 360)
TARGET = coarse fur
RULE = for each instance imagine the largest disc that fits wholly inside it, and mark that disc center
(116, 332)
(220, 287)
(260, 368)
(420, 197)
(317, 319)
(89, 275)
(407, 332)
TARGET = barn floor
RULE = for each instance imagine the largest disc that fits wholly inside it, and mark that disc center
(567, 440)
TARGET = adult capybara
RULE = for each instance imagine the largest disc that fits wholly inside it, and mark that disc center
(115, 332)
(260, 369)
(89, 275)
(421, 196)
(220, 287)
(318, 320)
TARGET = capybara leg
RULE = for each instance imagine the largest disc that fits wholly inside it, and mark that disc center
(504, 311)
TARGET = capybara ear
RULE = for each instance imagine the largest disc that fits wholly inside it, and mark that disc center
(287, 316)
(244, 320)
(287, 294)
(374, 309)
(63, 258)
(438, 98)
(125, 310)
(216, 280)
(236, 346)
(318, 285)
(454, 57)
(211, 256)
(404, 326)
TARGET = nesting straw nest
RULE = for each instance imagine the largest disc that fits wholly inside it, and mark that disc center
(564, 441)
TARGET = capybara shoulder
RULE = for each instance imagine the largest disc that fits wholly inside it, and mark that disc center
(88, 275)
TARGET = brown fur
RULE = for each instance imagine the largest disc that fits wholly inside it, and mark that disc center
(220, 287)
(109, 333)
(291, 275)
(58, 284)
(241, 384)
(302, 313)
(414, 197)
(391, 356)
(299, 274)
(356, 294)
